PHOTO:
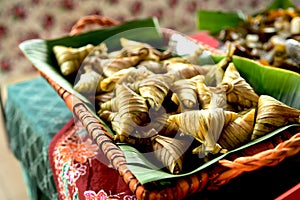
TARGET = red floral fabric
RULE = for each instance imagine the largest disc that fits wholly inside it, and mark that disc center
(28, 19)
(80, 171)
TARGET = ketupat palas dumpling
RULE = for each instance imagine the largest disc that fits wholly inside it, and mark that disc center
(113, 65)
(132, 111)
(69, 59)
(204, 125)
(185, 93)
(239, 92)
(133, 47)
(211, 97)
(238, 131)
(88, 82)
(273, 114)
(216, 71)
(154, 88)
(108, 84)
(170, 151)
(185, 70)
(135, 75)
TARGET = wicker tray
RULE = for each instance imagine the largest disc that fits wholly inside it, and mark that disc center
(266, 151)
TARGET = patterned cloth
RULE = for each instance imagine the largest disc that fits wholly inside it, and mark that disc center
(80, 171)
(27, 19)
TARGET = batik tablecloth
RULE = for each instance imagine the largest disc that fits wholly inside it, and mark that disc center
(80, 170)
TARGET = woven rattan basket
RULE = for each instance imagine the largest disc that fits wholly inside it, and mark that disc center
(269, 152)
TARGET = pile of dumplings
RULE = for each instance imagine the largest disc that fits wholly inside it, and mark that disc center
(159, 102)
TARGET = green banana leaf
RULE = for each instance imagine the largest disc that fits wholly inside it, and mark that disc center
(284, 4)
(215, 21)
(281, 84)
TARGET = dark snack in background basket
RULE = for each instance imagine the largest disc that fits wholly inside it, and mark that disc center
(271, 37)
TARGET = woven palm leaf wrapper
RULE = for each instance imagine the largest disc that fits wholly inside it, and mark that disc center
(264, 151)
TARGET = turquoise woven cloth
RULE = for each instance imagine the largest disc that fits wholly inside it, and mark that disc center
(34, 113)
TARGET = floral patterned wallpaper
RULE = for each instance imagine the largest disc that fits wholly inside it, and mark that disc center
(47, 19)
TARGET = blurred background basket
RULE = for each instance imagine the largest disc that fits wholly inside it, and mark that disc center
(270, 151)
